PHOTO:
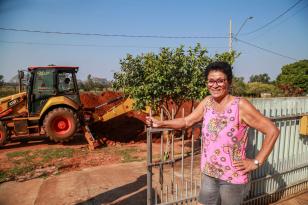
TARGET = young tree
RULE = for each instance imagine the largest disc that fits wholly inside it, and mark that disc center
(172, 75)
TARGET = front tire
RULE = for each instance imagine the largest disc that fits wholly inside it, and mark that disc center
(61, 124)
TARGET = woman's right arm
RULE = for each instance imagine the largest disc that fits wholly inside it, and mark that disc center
(179, 123)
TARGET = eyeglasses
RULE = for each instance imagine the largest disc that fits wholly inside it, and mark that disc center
(219, 82)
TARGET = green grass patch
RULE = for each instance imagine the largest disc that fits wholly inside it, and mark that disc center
(25, 162)
(21, 170)
(3, 176)
(44, 154)
(50, 154)
(18, 154)
(128, 154)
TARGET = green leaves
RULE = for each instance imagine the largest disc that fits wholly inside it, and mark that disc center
(295, 74)
(172, 74)
(256, 88)
(262, 78)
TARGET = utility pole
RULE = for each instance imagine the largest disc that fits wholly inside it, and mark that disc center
(235, 37)
(230, 36)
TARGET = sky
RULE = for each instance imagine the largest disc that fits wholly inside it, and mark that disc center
(276, 35)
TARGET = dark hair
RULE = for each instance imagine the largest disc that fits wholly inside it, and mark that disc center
(220, 66)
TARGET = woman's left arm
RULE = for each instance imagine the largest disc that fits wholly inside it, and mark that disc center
(253, 118)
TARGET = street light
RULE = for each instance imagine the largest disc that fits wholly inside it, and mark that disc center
(243, 24)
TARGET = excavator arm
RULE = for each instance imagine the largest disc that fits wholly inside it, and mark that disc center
(13, 105)
(121, 109)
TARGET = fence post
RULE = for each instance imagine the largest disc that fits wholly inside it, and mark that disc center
(149, 167)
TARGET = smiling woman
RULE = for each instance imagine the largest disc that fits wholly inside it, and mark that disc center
(226, 119)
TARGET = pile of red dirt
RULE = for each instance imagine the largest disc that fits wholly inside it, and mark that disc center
(125, 128)
(91, 100)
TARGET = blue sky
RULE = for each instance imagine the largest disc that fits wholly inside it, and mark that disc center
(100, 56)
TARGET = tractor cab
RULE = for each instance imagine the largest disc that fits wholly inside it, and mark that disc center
(51, 81)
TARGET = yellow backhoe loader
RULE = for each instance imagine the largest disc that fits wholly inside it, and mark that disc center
(51, 107)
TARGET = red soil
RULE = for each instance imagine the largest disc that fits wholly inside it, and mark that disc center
(124, 128)
(127, 127)
(90, 100)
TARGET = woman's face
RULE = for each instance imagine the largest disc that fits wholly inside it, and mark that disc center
(217, 84)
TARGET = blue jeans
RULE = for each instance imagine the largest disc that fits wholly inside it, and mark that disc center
(215, 191)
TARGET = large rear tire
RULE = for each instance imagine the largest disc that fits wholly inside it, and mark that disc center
(3, 134)
(61, 124)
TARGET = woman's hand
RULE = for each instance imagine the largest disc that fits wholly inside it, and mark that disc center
(246, 165)
(152, 122)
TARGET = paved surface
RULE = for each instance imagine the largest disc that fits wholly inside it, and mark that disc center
(300, 199)
(113, 184)
(120, 184)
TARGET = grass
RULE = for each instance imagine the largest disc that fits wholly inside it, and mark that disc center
(127, 155)
(50, 154)
(25, 162)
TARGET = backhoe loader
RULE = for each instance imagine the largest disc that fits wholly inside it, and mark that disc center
(51, 107)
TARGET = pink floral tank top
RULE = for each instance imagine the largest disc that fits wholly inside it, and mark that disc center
(224, 142)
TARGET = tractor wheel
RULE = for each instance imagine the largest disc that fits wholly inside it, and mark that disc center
(3, 134)
(61, 124)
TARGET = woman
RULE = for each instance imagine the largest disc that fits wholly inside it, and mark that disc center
(226, 119)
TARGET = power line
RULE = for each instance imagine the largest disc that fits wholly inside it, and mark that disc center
(275, 19)
(283, 21)
(267, 50)
(120, 35)
(298, 11)
(90, 45)
(109, 35)
(73, 45)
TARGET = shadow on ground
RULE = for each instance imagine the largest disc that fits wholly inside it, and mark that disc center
(134, 193)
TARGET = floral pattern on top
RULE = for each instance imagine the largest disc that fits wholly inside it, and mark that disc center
(224, 142)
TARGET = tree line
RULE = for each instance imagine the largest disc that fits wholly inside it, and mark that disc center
(90, 84)
(292, 81)
(176, 75)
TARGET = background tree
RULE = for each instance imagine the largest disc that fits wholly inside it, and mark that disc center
(94, 83)
(294, 76)
(88, 84)
(262, 78)
(290, 90)
(172, 75)
(80, 84)
(256, 88)
(239, 87)
(1, 80)
(100, 83)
